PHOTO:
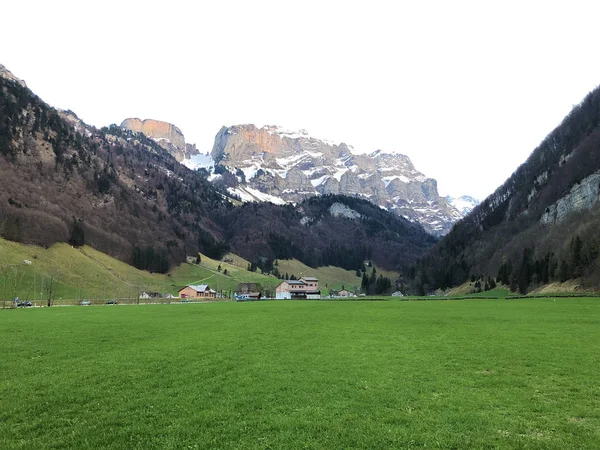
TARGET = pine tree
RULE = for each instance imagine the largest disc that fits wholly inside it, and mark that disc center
(364, 285)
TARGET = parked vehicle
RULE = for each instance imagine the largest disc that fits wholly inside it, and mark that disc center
(112, 302)
(24, 304)
(85, 302)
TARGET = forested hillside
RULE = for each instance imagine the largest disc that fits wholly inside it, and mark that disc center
(121, 193)
(312, 233)
(64, 181)
(539, 226)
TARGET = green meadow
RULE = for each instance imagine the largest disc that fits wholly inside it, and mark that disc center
(85, 273)
(303, 374)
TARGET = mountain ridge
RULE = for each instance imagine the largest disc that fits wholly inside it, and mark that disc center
(290, 166)
(121, 192)
(540, 225)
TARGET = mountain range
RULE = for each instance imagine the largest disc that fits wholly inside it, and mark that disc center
(282, 166)
(123, 190)
(125, 194)
(271, 163)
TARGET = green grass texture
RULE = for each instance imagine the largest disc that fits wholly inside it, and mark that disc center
(303, 374)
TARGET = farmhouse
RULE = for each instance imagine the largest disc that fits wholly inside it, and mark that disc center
(247, 291)
(345, 293)
(148, 294)
(197, 291)
(305, 287)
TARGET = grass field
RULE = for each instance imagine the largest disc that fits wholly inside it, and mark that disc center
(307, 374)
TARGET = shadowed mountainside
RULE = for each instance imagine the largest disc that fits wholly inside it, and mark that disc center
(539, 226)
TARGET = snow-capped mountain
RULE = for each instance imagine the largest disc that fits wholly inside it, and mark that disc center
(278, 165)
(464, 203)
(198, 161)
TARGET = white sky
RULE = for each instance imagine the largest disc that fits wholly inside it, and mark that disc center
(466, 89)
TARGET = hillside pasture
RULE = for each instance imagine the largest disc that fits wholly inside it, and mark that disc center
(303, 374)
(85, 273)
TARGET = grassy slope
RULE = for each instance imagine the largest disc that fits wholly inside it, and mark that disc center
(452, 374)
(329, 277)
(87, 273)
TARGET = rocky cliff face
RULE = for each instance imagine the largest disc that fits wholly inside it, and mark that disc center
(291, 166)
(583, 195)
(165, 134)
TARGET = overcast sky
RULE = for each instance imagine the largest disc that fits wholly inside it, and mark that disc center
(466, 89)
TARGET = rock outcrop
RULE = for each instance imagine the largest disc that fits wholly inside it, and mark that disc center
(165, 134)
(292, 166)
(582, 195)
(5, 73)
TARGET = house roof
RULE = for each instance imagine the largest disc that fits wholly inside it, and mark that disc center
(246, 287)
(197, 287)
(295, 282)
(309, 278)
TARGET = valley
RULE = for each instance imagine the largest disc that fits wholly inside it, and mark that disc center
(319, 225)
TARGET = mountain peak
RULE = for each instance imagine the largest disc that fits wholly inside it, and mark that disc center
(464, 203)
(279, 165)
(165, 134)
(5, 73)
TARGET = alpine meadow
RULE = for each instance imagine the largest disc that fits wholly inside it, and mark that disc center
(303, 374)
(183, 265)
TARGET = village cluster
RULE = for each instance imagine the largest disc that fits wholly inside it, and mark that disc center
(304, 288)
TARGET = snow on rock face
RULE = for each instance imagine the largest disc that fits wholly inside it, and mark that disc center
(248, 194)
(199, 161)
(341, 210)
(293, 165)
(464, 204)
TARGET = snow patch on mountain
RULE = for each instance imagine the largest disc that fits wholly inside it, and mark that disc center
(294, 134)
(464, 204)
(248, 194)
(319, 181)
(388, 180)
(199, 161)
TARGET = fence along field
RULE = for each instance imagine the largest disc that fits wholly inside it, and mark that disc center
(435, 374)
